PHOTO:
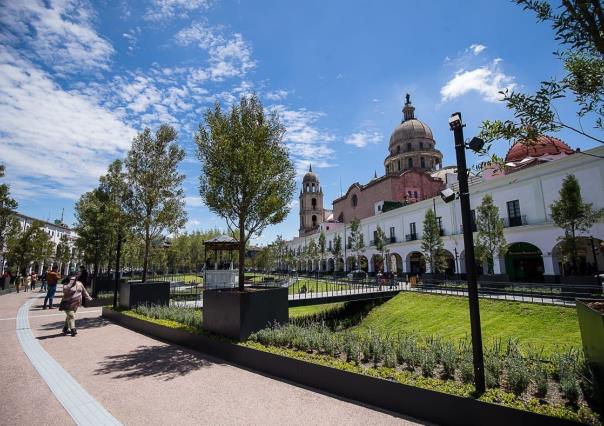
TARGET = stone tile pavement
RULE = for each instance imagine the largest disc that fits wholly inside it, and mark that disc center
(137, 380)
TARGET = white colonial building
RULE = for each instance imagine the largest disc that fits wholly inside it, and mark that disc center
(56, 231)
(523, 192)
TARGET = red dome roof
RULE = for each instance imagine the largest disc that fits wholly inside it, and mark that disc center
(544, 145)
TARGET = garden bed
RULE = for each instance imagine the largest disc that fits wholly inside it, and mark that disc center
(378, 382)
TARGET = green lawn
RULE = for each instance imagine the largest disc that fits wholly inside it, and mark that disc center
(316, 286)
(313, 309)
(540, 326)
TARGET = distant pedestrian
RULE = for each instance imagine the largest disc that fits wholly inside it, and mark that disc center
(6, 279)
(18, 282)
(34, 279)
(73, 292)
(43, 286)
(52, 278)
(26, 280)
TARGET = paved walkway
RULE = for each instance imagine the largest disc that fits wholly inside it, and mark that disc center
(141, 381)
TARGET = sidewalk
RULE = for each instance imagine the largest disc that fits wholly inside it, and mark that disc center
(142, 381)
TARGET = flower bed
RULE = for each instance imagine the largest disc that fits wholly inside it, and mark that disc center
(518, 378)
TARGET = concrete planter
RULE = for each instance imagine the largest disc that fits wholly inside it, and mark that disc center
(237, 314)
(424, 404)
(591, 324)
(132, 294)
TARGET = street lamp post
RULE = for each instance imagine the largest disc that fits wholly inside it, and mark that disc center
(466, 219)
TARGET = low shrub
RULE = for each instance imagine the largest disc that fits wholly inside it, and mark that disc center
(188, 316)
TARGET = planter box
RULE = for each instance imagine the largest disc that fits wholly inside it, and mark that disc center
(237, 314)
(591, 324)
(132, 294)
(427, 405)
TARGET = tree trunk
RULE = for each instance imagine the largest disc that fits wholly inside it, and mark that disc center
(146, 255)
(241, 255)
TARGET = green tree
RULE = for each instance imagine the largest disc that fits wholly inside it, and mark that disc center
(280, 249)
(94, 227)
(432, 244)
(579, 27)
(490, 241)
(380, 243)
(156, 200)
(248, 177)
(336, 250)
(574, 216)
(63, 252)
(313, 252)
(321, 246)
(28, 245)
(8, 206)
(357, 240)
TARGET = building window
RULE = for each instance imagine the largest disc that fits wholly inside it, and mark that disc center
(314, 220)
(354, 200)
(408, 146)
(410, 162)
(412, 228)
(514, 213)
(398, 149)
(421, 145)
(415, 195)
(327, 227)
(423, 162)
(341, 217)
(329, 245)
(374, 237)
(313, 201)
(392, 232)
(399, 165)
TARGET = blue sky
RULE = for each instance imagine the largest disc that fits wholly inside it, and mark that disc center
(78, 79)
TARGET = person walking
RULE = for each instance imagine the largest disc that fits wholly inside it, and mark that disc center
(26, 280)
(73, 292)
(43, 286)
(52, 278)
(34, 279)
(18, 282)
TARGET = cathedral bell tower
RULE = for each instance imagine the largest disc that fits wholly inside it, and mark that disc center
(311, 204)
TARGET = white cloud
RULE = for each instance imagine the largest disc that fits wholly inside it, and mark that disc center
(193, 201)
(167, 9)
(229, 56)
(54, 142)
(488, 81)
(363, 138)
(277, 95)
(59, 33)
(307, 143)
(477, 48)
(131, 37)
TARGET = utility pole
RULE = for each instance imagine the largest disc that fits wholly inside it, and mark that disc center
(466, 219)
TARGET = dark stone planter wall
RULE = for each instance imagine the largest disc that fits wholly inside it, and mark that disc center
(132, 294)
(427, 405)
(591, 323)
(237, 314)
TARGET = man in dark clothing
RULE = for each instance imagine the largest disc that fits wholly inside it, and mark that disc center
(52, 278)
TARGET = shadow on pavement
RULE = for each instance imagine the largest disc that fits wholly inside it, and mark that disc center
(164, 362)
(81, 324)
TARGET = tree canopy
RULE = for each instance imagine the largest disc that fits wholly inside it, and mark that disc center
(247, 176)
(490, 240)
(156, 198)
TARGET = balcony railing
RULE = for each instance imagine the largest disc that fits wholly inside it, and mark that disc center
(411, 237)
(513, 221)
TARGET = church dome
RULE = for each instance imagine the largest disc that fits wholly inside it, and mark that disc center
(310, 176)
(543, 145)
(410, 130)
